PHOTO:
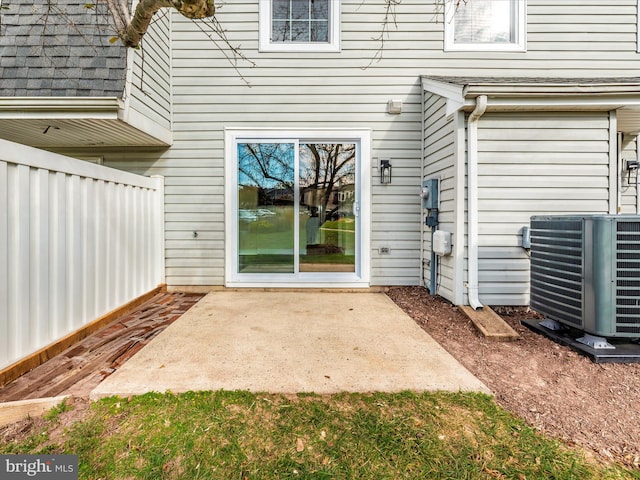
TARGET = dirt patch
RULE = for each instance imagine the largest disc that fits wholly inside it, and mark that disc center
(555, 389)
(76, 409)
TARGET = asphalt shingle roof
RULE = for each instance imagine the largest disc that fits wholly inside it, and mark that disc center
(61, 50)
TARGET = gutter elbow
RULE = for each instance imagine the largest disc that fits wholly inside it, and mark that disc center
(474, 301)
(481, 107)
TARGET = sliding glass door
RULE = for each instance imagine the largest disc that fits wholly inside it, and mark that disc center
(296, 211)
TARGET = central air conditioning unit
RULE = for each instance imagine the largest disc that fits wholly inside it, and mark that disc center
(585, 272)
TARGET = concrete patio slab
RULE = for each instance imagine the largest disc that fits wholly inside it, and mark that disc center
(289, 342)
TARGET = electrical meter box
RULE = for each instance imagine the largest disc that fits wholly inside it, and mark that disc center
(429, 193)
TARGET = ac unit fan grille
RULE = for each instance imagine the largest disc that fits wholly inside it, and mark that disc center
(557, 269)
(628, 277)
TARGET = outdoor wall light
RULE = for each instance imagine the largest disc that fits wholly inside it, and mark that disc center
(632, 165)
(385, 171)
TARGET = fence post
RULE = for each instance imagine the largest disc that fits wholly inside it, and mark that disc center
(158, 230)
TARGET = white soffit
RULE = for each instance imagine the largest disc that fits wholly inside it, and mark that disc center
(59, 122)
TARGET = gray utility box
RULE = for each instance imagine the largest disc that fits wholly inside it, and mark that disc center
(585, 272)
(429, 194)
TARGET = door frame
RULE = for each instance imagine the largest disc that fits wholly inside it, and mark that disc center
(358, 279)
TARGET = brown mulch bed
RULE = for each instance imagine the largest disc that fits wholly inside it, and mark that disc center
(552, 387)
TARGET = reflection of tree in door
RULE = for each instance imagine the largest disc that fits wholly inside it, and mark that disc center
(268, 217)
(327, 193)
(266, 203)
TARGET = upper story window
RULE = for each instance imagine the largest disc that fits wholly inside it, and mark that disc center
(300, 25)
(496, 25)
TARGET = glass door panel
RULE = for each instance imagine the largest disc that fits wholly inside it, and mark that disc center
(327, 203)
(266, 208)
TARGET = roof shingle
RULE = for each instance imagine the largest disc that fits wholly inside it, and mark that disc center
(66, 42)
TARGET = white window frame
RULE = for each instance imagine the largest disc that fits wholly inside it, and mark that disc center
(520, 32)
(358, 279)
(266, 45)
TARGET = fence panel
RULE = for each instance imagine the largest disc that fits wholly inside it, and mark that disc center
(77, 240)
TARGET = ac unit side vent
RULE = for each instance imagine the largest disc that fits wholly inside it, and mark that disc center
(585, 272)
(628, 277)
(556, 270)
(568, 286)
(633, 331)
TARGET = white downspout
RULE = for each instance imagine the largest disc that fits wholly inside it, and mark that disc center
(423, 170)
(472, 199)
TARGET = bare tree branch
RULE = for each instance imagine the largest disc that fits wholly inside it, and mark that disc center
(211, 26)
(120, 14)
(389, 19)
(131, 29)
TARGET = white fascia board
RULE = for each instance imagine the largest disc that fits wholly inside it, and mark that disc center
(559, 104)
(146, 125)
(536, 95)
(450, 91)
(60, 107)
(542, 88)
(444, 89)
(547, 103)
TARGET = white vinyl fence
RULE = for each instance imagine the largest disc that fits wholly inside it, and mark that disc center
(77, 240)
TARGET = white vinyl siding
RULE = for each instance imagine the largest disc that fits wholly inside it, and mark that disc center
(194, 203)
(297, 91)
(533, 164)
(150, 89)
(347, 89)
(439, 162)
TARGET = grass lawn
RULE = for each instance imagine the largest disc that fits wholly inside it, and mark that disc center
(242, 436)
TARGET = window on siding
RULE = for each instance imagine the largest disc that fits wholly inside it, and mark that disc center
(300, 25)
(497, 25)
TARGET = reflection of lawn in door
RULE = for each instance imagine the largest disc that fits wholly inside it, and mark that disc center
(261, 237)
(333, 250)
(339, 232)
(266, 243)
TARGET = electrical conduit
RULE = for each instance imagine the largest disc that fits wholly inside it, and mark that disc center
(472, 199)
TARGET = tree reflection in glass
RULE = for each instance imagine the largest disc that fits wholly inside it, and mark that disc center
(266, 201)
(300, 21)
(327, 194)
(269, 218)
